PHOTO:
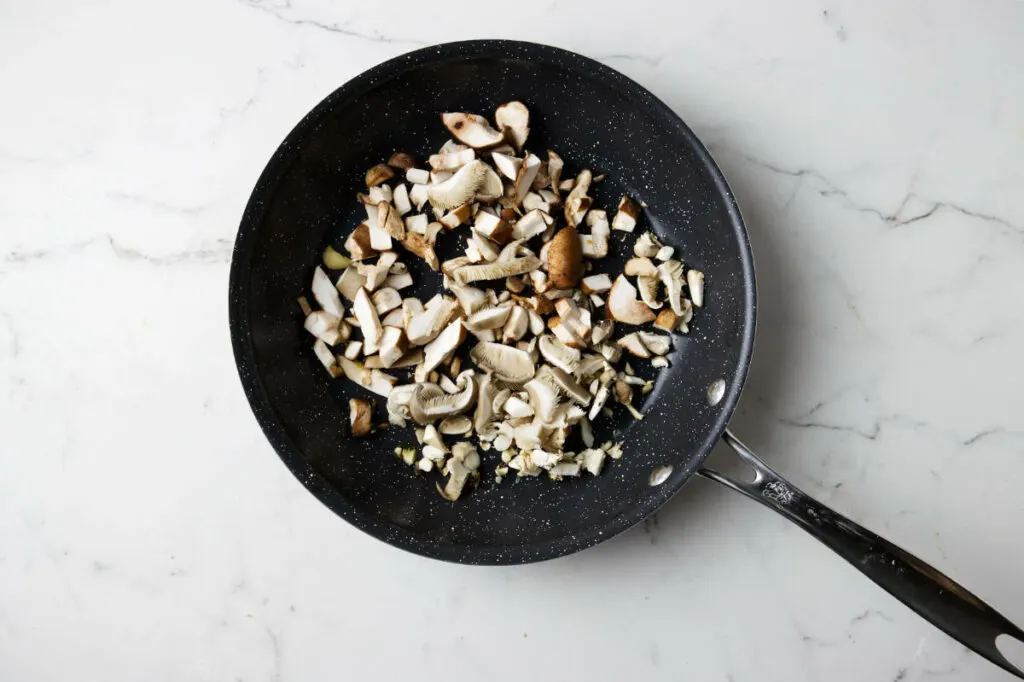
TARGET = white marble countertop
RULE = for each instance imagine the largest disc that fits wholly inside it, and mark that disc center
(149, 532)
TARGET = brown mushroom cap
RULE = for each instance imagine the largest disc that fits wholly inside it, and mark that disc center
(565, 258)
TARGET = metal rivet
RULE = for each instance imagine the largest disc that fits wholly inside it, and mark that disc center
(716, 391)
(660, 475)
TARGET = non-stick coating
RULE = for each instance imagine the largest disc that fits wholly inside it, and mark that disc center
(594, 117)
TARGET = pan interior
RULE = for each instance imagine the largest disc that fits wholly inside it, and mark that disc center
(594, 118)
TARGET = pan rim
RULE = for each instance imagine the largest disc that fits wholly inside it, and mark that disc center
(244, 352)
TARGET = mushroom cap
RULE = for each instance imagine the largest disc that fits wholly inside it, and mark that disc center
(505, 362)
(565, 258)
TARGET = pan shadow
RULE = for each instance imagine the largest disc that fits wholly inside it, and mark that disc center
(775, 343)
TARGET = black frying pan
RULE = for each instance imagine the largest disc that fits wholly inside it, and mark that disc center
(596, 118)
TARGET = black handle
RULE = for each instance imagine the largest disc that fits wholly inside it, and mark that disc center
(931, 593)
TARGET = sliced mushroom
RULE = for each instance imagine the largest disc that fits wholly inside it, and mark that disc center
(648, 287)
(485, 271)
(425, 326)
(558, 354)
(399, 280)
(565, 381)
(543, 399)
(483, 418)
(664, 253)
(641, 267)
(360, 416)
(516, 325)
(398, 404)
(596, 284)
(695, 281)
(514, 407)
(532, 223)
(459, 188)
(472, 129)
(354, 349)
(505, 362)
(393, 345)
(623, 305)
(488, 318)
(491, 188)
(515, 117)
(627, 215)
(634, 345)
(428, 402)
(455, 425)
(381, 193)
(578, 203)
(537, 325)
(671, 273)
(451, 161)
(516, 285)
(599, 401)
(378, 174)
(481, 246)
(565, 258)
(646, 246)
(658, 344)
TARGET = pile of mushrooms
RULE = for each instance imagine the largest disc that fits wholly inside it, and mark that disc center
(547, 330)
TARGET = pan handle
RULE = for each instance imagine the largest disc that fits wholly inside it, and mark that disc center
(934, 596)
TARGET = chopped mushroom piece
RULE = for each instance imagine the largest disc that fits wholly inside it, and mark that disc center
(401, 161)
(326, 357)
(393, 345)
(455, 425)
(595, 244)
(648, 288)
(418, 244)
(695, 281)
(349, 283)
(658, 344)
(323, 326)
(378, 174)
(532, 224)
(445, 344)
(641, 267)
(424, 326)
(514, 117)
(451, 161)
(508, 165)
(578, 203)
(671, 273)
(635, 346)
(358, 243)
(525, 177)
(627, 215)
(459, 188)
(596, 284)
(369, 323)
(386, 299)
(360, 416)
(623, 305)
(325, 293)
(472, 129)
(493, 227)
(667, 320)
(417, 176)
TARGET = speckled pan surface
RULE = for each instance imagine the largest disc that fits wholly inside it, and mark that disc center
(594, 117)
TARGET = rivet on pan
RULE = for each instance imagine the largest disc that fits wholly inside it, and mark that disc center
(716, 391)
(660, 475)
